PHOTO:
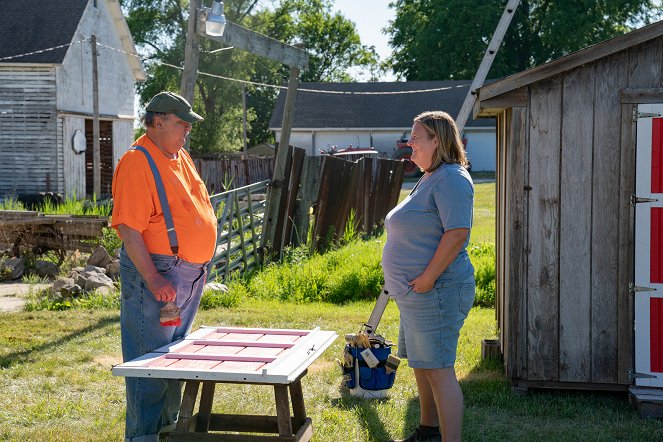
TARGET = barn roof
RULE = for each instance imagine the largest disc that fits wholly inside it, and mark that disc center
(34, 25)
(568, 62)
(388, 110)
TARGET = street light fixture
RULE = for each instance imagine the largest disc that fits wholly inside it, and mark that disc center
(215, 22)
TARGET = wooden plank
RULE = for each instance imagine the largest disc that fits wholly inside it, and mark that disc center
(578, 386)
(294, 180)
(263, 331)
(626, 249)
(610, 78)
(273, 211)
(244, 423)
(185, 420)
(206, 400)
(571, 61)
(298, 406)
(493, 106)
(283, 410)
(500, 214)
(645, 62)
(543, 231)
(643, 96)
(515, 289)
(245, 344)
(308, 192)
(258, 44)
(218, 357)
(575, 290)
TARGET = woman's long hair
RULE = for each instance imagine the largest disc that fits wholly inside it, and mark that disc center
(450, 148)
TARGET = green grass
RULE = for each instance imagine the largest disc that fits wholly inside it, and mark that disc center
(57, 385)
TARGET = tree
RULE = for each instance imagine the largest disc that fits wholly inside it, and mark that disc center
(159, 30)
(435, 40)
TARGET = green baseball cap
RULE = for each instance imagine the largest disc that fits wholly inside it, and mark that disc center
(171, 103)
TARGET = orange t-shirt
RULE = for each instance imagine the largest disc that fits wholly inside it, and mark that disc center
(136, 202)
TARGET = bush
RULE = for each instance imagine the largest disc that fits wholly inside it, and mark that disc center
(350, 273)
(218, 298)
(483, 258)
(47, 300)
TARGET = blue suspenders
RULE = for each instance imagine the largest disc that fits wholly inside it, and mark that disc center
(165, 207)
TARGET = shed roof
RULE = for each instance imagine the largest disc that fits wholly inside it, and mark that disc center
(386, 108)
(34, 25)
(571, 61)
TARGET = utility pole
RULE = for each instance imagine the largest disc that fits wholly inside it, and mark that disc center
(258, 44)
(96, 148)
(191, 55)
(244, 115)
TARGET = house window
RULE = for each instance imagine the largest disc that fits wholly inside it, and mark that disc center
(95, 3)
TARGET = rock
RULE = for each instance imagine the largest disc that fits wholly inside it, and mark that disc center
(104, 290)
(13, 268)
(46, 268)
(91, 270)
(61, 282)
(80, 280)
(70, 290)
(66, 287)
(99, 258)
(96, 280)
(215, 287)
(113, 270)
(78, 270)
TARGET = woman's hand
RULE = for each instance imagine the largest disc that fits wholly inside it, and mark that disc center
(422, 283)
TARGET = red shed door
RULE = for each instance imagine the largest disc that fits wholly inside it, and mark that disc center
(649, 247)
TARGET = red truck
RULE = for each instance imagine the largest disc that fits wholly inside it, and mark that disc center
(404, 152)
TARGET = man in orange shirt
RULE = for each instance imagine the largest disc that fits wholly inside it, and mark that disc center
(166, 247)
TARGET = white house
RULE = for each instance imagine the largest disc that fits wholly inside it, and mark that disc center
(377, 115)
(46, 94)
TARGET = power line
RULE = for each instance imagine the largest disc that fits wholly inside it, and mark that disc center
(41, 51)
(245, 82)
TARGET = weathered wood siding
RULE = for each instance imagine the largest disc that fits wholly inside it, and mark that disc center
(564, 245)
(74, 163)
(233, 171)
(28, 131)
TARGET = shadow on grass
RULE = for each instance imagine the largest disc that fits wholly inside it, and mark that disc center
(22, 356)
(366, 411)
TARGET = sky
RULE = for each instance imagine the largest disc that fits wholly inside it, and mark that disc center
(370, 17)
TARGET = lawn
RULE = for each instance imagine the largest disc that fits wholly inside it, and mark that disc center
(57, 385)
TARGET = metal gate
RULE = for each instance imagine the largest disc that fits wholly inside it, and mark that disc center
(240, 221)
(648, 287)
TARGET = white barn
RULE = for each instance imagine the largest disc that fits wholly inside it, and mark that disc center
(377, 114)
(46, 94)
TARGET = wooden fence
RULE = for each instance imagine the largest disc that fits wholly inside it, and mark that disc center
(318, 190)
(369, 186)
(221, 173)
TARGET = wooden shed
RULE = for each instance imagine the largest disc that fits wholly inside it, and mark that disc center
(46, 94)
(566, 216)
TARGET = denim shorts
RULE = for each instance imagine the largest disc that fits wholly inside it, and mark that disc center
(431, 322)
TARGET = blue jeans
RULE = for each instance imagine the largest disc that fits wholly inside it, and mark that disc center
(154, 403)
